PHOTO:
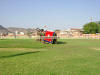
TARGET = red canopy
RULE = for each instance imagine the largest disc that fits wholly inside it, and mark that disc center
(49, 36)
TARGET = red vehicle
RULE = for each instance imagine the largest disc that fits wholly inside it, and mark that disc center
(48, 37)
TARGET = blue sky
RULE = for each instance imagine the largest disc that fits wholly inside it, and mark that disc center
(55, 14)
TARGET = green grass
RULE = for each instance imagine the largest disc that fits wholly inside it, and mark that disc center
(68, 57)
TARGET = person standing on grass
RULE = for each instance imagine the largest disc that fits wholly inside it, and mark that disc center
(42, 34)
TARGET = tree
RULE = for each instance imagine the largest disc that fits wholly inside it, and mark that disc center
(91, 28)
(98, 26)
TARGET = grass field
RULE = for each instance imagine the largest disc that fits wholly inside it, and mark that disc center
(68, 57)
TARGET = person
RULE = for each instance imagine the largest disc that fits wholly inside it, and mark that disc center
(42, 34)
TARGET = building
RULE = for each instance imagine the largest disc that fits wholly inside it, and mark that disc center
(69, 33)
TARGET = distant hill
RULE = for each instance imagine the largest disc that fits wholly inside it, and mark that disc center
(3, 30)
(14, 29)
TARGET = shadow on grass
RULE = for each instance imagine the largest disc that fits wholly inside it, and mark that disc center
(20, 54)
(60, 42)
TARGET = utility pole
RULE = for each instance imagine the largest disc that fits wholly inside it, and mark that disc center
(91, 19)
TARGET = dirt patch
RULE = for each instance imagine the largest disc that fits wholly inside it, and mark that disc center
(96, 48)
(17, 49)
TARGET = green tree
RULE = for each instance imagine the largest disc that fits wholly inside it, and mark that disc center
(91, 28)
(98, 26)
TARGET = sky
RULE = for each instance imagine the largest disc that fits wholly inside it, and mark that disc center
(48, 14)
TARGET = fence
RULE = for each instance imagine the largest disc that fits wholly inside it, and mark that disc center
(83, 36)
